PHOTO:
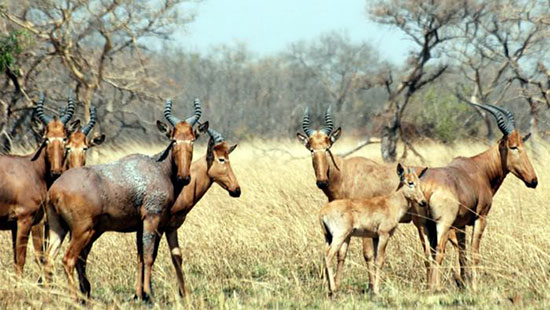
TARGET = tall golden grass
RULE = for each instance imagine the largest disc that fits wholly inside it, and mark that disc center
(263, 250)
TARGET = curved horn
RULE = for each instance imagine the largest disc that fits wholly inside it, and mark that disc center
(508, 114)
(68, 111)
(505, 120)
(91, 123)
(306, 123)
(329, 124)
(168, 113)
(216, 136)
(40, 110)
(198, 112)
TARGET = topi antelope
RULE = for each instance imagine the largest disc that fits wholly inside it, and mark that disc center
(128, 195)
(24, 181)
(461, 193)
(352, 178)
(375, 218)
(215, 167)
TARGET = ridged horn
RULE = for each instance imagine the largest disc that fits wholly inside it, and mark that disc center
(68, 111)
(198, 112)
(216, 136)
(168, 113)
(329, 124)
(45, 119)
(306, 123)
(86, 130)
(505, 119)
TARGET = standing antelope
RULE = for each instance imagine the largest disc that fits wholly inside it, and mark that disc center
(461, 193)
(353, 178)
(215, 167)
(130, 194)
(375, 218)
(24, 181)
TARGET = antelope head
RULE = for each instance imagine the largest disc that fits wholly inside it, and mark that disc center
(409, 183)
(78, 143)
(319, 142)
(219, 167)
(513, 156)
(55, 136)
(182, 136)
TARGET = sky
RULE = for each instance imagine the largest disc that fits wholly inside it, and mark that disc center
(267, 27)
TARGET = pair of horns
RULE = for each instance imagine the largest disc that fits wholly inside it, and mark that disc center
(191, 120)
(46, 119)
(329, 124)
(505, 118)
(86, 129)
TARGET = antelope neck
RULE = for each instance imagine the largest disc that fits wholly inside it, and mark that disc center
(491, 168)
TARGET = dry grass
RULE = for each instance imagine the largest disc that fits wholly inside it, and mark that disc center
(263, 250)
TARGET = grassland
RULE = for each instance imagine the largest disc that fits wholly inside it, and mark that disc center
(263, 250)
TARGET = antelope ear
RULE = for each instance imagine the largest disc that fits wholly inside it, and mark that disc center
(400, 170)
(97, 140)
(302, 138)
(526, 137)
(163, 128)
(422, 172)
(73, 126)
(335, 135)
(232, 148)
(203, 127)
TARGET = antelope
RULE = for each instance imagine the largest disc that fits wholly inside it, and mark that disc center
(24, 181)
(215, 167)
(128, 195)
(461, 193)
(352, 178)
(375, 218)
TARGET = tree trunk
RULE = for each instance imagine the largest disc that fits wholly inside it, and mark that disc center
(390, 135)
(533, 117)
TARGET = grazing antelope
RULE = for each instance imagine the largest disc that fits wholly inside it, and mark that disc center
(461, 193)
(128, 195)
(375, 218)
(352, 178)
(215, 167)
(24, 181)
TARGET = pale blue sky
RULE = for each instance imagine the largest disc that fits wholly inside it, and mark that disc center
(267, 27)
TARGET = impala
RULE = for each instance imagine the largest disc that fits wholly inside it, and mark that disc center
(461, 193)
(128, 195)
(375, 218)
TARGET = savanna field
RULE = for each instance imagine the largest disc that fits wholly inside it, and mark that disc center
(263, 250)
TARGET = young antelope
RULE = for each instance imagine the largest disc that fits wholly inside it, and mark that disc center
(376, 218)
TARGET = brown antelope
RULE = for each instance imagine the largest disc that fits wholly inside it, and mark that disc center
(461, 193)
(24, 181)
(352, 178)
(77, 143)
(375, 218)
(128, 195)
(215, 167)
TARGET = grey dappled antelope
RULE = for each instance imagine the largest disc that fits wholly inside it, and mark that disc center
(128, 195)
(214, 167)
(461, 193)
(376, 218)
(351, 178)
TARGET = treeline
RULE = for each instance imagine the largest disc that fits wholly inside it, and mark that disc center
(464, 51)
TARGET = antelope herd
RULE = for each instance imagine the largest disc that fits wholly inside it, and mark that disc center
(53, 190)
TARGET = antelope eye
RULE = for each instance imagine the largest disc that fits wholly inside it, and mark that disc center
(85, 148)
(513, 147)
(221, 160)
(411, 184)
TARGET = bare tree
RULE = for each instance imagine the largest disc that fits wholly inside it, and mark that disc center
(430, 25)
(99, 43)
